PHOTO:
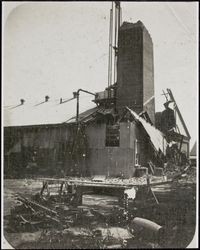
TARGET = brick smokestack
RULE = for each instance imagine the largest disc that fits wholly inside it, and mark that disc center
(135, 69)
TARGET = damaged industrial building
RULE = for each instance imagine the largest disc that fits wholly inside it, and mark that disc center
(114, 138)
(119, 137)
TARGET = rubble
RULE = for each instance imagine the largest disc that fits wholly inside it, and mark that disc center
(150, 210)
(60, 221)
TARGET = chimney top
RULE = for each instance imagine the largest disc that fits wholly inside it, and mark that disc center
(22, 101)
(46, 98)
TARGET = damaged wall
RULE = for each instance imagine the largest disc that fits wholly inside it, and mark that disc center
(58, 150)
(40, 147)
(117, 161)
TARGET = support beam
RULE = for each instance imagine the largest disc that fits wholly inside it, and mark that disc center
(178, 112)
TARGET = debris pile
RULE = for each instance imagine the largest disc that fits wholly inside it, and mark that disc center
(186, 172)
(143, 216)
(84, 226)
(31, 215)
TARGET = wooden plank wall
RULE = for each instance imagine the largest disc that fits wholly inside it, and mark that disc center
(112, 161)
(42, 140)
(100, 160)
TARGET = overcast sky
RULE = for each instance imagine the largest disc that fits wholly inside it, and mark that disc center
(54, 48)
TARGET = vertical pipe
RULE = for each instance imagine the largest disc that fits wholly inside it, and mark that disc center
(175, 114)
(77, 107)
(120, 16)
(109, 53)
(163, 145)
(188, 150)
(111, 46)
(115, 26)
(115, 42)
(119, 22)
(136, 152)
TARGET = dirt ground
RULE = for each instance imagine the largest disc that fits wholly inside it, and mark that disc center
(79, 237)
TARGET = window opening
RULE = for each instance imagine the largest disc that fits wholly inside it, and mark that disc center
(112, 135)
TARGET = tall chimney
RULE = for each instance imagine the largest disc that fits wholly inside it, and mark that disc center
(135, 76)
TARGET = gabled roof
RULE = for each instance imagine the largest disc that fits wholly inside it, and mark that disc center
(46, 113)
(92, 114)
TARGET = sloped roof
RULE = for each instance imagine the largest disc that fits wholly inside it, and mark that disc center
(46, 113)
(156, 136)
(193, 152)
(91, 114)
(85, 116)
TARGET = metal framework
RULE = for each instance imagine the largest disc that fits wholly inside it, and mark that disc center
(115, 22)
(176, 109)
(76, 95)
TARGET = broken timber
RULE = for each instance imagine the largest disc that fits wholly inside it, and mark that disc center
(47, 181)
(76, 187)
(35, 204)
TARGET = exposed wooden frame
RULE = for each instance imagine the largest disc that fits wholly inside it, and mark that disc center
(179, 113)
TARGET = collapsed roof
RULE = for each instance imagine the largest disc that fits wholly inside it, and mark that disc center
(156, 136)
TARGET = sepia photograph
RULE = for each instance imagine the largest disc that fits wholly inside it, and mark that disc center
(100, 125)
